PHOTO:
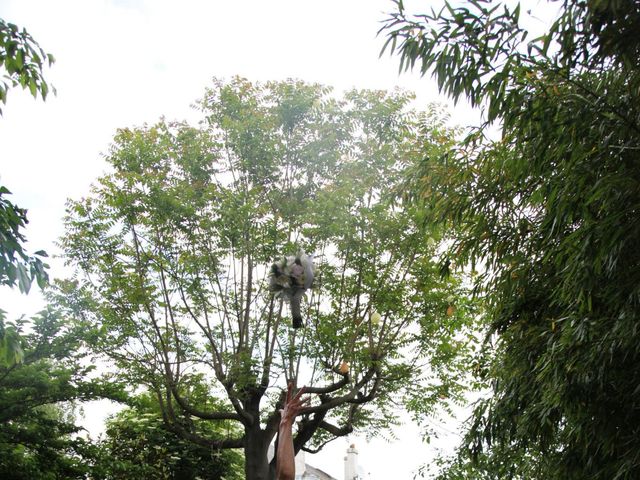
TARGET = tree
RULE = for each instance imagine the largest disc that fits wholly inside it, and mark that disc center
(173, 250)
(550, 211)
(137, 445)
(37, 438)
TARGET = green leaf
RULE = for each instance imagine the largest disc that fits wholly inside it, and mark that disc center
(24, 281)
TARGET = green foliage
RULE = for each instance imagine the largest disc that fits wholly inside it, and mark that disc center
(498, 465)
(550, 213)
(43, 446)
(22, 60)
(10, 348)
(37, 440)
(16, 266)
(173, 249)
(137, 445)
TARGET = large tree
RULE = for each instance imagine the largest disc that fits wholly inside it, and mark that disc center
(173, 250)
(550, 212)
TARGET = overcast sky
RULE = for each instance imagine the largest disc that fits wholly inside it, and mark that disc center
(122, 63)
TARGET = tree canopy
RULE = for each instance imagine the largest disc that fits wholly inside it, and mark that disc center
(173, 249)
(550, 213)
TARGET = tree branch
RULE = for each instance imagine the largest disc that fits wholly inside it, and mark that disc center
(329, 388)
(307, 430)
(205, 442)
(336, 431)
(348, 398)
(201, 413)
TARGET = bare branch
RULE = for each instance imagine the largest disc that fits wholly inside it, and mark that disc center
(350, 397)
(320, 447)
(205, 442)
(336, 431)
(269, 344)
(247, 312)
(201, 413)
(329, 388)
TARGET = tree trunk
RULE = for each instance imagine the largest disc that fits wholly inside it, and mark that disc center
(256, 445)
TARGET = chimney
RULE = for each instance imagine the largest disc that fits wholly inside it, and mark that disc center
(351, 463)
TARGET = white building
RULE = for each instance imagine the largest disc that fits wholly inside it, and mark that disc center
(304, 471)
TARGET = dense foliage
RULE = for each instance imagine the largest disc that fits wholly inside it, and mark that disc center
(137, 445)
(173, 249)
(550, 212)
(38, 439)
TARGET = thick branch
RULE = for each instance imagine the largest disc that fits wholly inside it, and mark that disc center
(368, 397)
(307, 430)
(320, 447)
(205, 442)
(329, 388)
(273, 421)
(348, 398)
(217, 364)
(336, 431)
(268, 344)
(201, 413)
(272, 347)
(247, 418)
(173, 425)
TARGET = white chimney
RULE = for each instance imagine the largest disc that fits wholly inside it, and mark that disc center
(351, 463)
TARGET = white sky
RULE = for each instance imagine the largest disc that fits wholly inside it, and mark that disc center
(126, 62)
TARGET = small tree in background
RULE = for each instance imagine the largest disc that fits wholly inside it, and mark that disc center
(38, 438)
(173, 249)
(137, 445)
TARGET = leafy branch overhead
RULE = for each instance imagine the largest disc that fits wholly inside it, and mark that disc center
(174, 249)
(549, 211)
(22, 60)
